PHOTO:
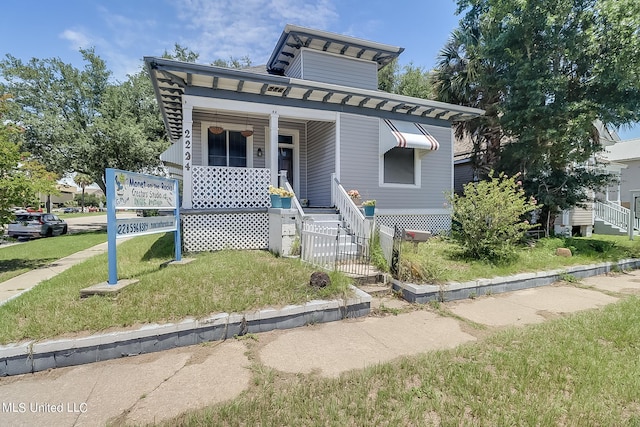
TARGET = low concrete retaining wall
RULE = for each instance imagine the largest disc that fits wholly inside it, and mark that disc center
(455, 290)
(35, 356)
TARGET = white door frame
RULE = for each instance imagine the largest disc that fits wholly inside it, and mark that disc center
(296, 152)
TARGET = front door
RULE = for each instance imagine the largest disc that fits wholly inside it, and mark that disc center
(285, 157)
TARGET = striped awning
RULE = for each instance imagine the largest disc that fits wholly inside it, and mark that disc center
(395, 133)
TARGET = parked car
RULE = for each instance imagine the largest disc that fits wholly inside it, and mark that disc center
(35, 224)
(70, 210)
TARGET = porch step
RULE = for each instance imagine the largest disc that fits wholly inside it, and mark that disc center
(603, 227)
(324, 217)
(320, 210)
(376, 289)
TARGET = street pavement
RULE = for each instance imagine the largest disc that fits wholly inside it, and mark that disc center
(156, 387)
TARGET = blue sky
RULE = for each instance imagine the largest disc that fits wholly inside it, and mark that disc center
(122, 32)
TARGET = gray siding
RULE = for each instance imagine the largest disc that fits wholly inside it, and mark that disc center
(630, 180)
(259, 140)
(320, 162)
(295, 68)
(196, 151)
(359, 155)
(329, 68)
(199, 149)
(360, 167)
(462, 174)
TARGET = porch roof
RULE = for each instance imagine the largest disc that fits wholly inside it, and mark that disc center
(172, 79)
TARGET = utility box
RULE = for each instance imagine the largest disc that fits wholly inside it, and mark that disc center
(416, 236)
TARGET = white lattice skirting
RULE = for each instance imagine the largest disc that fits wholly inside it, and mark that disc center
(212, 232)
(230, 188)
(440, 223)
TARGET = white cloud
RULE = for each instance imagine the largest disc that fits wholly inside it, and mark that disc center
(221, 29)
(78, 39)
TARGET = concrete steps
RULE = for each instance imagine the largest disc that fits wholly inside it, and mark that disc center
(602, 227)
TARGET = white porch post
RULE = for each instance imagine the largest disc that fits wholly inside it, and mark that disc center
(273, 147)
(187, 155)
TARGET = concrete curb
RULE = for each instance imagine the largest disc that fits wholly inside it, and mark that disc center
(33, 356)
(455, 290)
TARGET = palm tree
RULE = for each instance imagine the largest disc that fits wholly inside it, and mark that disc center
(463, 77)
(83, 181)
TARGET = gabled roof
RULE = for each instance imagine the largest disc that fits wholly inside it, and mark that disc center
(172, 79)
(294, 38)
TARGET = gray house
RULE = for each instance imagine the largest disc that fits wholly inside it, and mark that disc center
(313, 120)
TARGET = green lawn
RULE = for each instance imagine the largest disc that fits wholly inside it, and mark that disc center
(225, 281)
(439, 260)
(20, 258)
(78, 214)
(580, 370)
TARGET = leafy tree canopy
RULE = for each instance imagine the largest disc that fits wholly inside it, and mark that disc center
(21, 178)
(547, 70)
(409, 81)
(77, 121)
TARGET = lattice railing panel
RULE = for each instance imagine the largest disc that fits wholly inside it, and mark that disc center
(230, 188)
(440, 223)
(212, 232)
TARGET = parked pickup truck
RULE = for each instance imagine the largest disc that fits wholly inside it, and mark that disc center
(36, 224)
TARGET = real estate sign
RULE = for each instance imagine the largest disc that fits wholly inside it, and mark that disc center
(135, 191)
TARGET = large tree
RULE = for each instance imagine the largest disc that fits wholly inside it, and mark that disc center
(410, 80)
(21, 178)
(79, 121)
(558, 67)
(463, 77)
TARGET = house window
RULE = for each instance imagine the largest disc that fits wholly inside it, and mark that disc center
(227, 149)
(399, 166)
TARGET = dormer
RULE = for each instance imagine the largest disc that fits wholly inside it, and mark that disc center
(320, 56)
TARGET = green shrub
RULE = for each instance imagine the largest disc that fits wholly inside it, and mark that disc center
(490, 218)
(377, 256)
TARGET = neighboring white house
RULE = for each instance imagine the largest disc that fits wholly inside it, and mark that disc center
(626, 153)
(315, 112)
(579, 220)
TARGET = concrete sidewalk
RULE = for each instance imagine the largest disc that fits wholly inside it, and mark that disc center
(16, 286)
(155, 387)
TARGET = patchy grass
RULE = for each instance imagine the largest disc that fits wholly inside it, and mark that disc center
(572, 371)
(225, 281)
(20, 258)
(440, 260)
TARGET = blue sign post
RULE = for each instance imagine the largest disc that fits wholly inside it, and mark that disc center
(129, 190)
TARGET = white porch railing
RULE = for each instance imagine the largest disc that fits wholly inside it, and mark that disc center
(230, 188)
(615, 214)
(284, 182)
(352, 216)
